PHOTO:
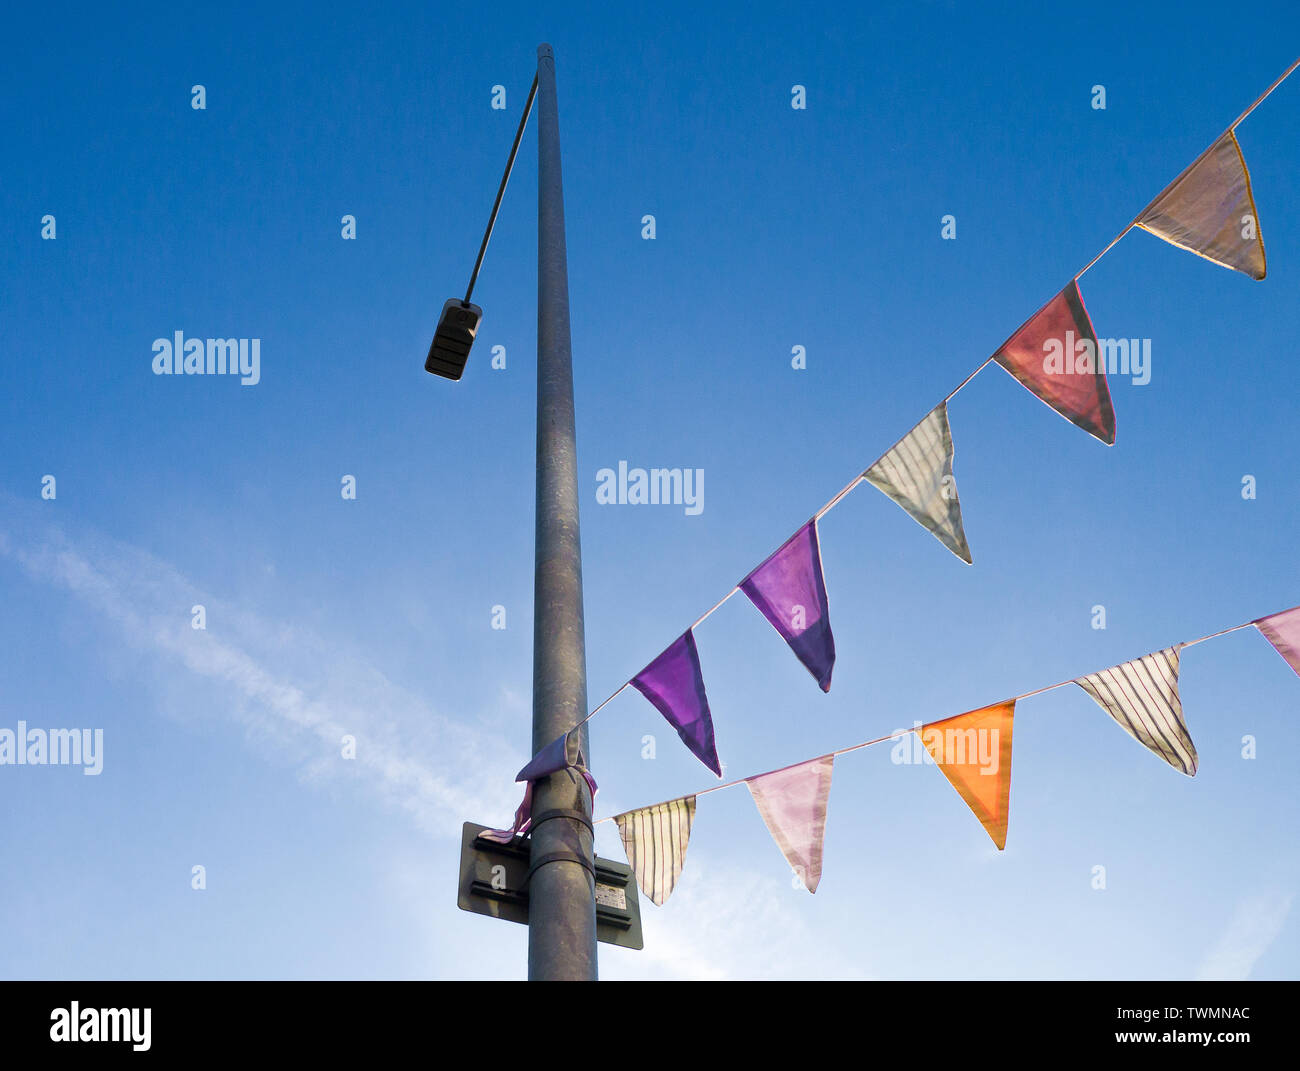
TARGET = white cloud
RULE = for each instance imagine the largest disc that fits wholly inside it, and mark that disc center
(725, 922)
(292, 688)
(1254, 926)
(301, 693)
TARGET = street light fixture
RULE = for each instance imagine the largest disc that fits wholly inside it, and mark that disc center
(459, 322)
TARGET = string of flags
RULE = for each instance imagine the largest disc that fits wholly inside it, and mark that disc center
(1208, 209)
(972, 750)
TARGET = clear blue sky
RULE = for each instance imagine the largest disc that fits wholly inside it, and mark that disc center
(775, 228)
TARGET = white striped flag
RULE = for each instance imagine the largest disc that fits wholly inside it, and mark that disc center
(655, 840)
(1142, 696)
(917, 474)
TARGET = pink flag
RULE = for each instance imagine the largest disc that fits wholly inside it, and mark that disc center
(1283, 632)
(790, 591)
(793, 805)
(1055, 355)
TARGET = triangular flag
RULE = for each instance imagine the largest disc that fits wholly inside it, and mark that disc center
(1054, 354)
(790, 591)
(1210, 211)
(974, 752)
(1142, 696)
(655, 840)
(793, 805)
(674, 684)
(1283, 632)
(917, 474)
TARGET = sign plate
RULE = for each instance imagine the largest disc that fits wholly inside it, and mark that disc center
(493, 877)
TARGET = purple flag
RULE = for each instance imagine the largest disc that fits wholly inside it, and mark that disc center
(551, 759)
(790, 591)
(674, 684)
(524, 812)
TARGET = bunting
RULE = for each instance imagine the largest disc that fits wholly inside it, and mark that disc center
(674, 684)
(554, 757)
(1209, 210)
(1142, 696)
(1283, 632)
(792, 803)
(974, 752)
(1054, 355)
(655, 840)
(790, 591)
(917, 474)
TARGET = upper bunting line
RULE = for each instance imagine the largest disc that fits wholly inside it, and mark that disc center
(861, 477)
(895, 735)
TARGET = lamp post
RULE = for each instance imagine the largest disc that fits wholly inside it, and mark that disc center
(561, 894)
(561, 876)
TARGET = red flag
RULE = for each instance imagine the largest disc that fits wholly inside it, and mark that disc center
(1055, 355)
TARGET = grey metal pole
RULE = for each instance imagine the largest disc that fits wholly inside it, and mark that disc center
(561, 892)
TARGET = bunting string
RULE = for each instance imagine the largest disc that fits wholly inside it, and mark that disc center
(895, 735)
(1092, 413)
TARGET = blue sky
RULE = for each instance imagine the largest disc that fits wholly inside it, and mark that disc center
(775, 228)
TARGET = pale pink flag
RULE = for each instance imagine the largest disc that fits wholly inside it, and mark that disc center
(793, 805)
(1283, 632)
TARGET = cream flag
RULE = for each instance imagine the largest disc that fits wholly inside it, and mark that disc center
(917, 474)
(1142, 696)
(1209, 210)
(655, 840)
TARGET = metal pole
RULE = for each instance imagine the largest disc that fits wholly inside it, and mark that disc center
(561, 892)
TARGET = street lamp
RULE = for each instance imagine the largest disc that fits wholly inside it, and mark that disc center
(561, 874)
(459, 321)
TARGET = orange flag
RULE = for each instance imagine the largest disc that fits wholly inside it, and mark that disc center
(1209, 210)
(974, 752)
(1054, 354)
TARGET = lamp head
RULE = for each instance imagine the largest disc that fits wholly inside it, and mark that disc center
(452, 340)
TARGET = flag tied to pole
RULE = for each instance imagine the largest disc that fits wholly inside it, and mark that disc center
(558, 755)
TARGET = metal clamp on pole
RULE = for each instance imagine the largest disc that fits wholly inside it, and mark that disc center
(560, 856)
(560, 812)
